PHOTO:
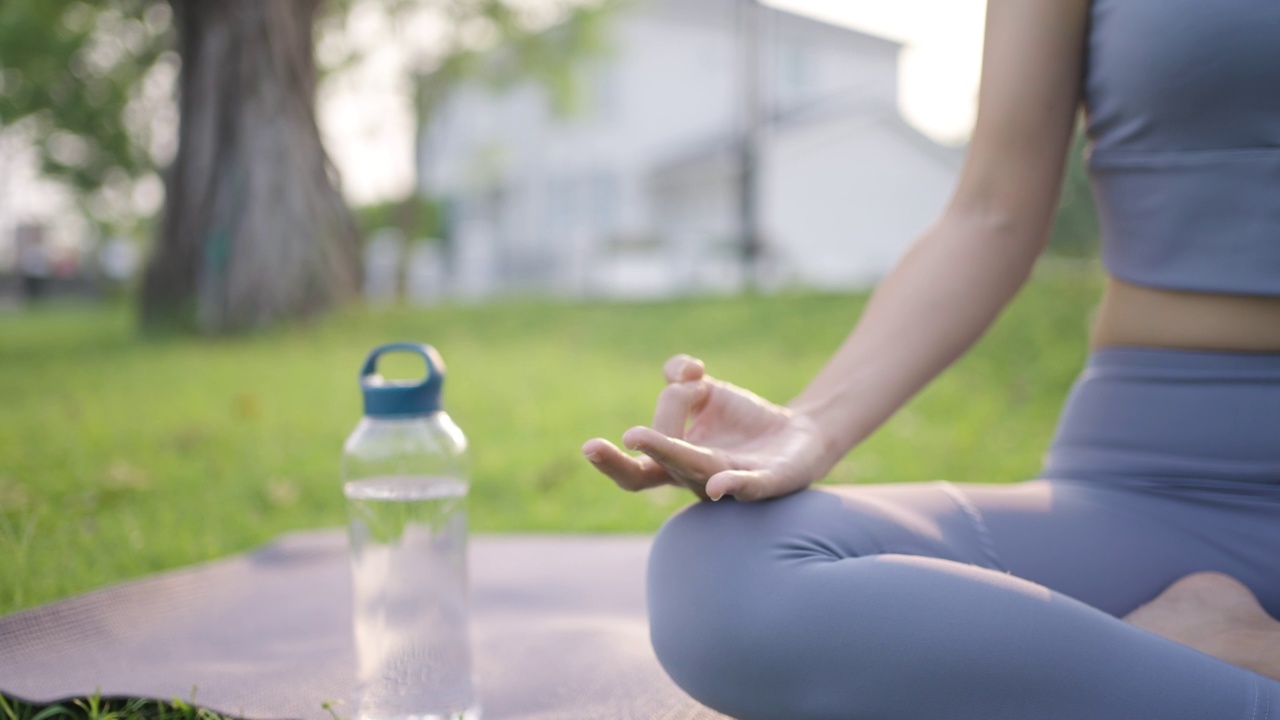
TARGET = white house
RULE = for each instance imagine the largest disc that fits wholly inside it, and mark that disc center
(637, 195)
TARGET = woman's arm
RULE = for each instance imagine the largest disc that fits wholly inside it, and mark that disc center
(959, 274)
(718, 439)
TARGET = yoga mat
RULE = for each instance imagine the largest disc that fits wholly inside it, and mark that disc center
(558, 625)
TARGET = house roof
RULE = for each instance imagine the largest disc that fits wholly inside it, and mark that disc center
(772, 19)
(726, 147)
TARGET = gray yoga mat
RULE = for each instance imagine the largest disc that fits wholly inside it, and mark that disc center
(558, 624)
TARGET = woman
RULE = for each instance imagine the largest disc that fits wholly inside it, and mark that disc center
(944, 601)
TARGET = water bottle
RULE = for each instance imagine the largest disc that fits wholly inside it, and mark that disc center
(405, 477)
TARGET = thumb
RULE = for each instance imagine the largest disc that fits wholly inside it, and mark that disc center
(744, 485)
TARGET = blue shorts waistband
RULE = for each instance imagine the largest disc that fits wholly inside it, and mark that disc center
(1171, 416)
(1167, 363)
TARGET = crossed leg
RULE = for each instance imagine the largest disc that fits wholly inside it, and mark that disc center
(897, 602)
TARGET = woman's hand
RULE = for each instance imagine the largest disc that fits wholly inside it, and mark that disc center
(716, 439)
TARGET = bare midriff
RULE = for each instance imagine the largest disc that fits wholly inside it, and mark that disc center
(1135, 315)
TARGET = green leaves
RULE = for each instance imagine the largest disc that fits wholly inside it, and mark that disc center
(72, 79)
(90, 84)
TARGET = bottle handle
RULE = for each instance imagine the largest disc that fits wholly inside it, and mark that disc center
(435, 365)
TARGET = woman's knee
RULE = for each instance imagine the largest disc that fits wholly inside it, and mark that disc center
(703, 593)
(809, 638)
(753, 604)
(712, 551)
(724, 590)
(696, 556)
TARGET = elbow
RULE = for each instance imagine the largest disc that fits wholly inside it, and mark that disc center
(1009, 209)
(1010, 238)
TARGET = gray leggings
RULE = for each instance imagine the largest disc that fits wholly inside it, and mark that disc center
(944, 602)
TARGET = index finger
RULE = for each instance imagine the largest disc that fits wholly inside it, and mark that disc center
(682, 460)
(676, 403)
(630, 473)
(683, 368)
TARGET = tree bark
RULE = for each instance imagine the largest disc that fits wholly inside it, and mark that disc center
(254, 229)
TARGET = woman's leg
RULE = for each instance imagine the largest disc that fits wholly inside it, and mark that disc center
(1117, 545)
(893, 602)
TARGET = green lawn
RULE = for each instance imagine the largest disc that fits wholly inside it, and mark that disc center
(121, 456)
(96, 707)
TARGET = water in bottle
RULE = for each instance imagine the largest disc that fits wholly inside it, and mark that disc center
(406, 485)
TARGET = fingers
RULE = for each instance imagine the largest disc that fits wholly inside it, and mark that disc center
(675, 403)
(630, 473)
(683, 368)
(687, 463)
(751, 485)
(735, 483)
(684, 394)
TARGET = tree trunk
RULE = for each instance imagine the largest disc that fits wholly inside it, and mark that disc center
(254, 229)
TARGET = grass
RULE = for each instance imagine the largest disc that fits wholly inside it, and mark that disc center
(95, 707)
(121, 456)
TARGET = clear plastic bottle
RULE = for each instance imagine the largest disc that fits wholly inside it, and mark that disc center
(405, 477)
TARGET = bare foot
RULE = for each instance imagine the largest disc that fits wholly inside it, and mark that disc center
(1217, 615)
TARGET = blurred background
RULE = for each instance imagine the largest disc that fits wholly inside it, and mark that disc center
(210, 211)
(635, 149)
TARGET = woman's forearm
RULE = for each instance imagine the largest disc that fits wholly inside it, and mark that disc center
(958, 276)
(928, 311)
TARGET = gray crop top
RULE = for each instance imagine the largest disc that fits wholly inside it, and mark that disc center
(1183, 105)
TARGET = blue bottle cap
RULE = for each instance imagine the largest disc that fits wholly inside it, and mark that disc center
(402, 398)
